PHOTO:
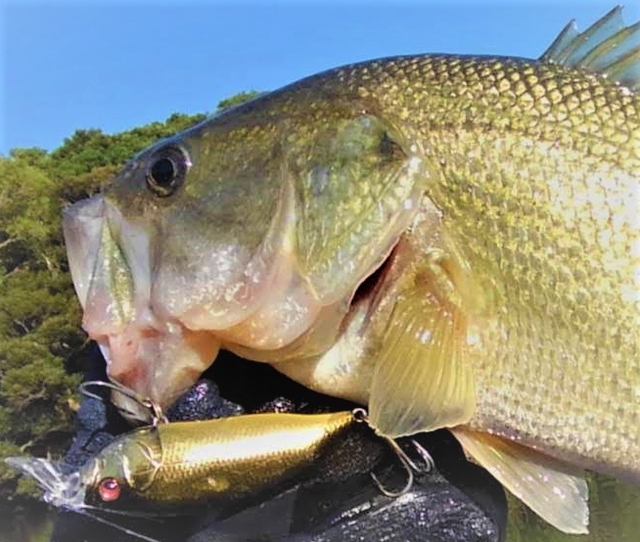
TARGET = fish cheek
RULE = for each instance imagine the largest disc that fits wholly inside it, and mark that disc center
(218, 241)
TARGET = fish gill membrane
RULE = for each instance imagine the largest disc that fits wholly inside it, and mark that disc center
(453, 241)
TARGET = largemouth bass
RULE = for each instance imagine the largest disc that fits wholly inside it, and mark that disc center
(453, 241)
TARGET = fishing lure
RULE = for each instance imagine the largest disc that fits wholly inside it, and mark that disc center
(170, 468)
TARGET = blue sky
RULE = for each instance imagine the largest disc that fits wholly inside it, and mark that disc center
(93, 64)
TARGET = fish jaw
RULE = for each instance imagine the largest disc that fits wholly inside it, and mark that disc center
(82, 226)
(158, 365)
(110, 264)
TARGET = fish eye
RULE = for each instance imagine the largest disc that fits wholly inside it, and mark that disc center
(109, 489)
(166, 170)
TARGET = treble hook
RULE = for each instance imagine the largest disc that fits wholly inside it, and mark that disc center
(426, 457)
(360, 415)
(156, 415)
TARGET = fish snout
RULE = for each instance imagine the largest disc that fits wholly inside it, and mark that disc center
(109, 257)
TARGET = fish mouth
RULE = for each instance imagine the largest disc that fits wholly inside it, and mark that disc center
(110, 264)
(156, 335)
(157, 330)
(60, 489)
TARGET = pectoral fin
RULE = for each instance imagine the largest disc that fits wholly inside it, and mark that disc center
(423, 379)
(550, 488)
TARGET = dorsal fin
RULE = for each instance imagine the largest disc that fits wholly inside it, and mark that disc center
(607, 47)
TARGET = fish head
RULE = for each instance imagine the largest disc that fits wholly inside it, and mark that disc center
(250, 231)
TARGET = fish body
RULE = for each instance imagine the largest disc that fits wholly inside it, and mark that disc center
(545, 228)
(173, 467)
(452, 240)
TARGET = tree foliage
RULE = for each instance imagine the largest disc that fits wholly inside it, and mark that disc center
(42, 346)
(237, 99)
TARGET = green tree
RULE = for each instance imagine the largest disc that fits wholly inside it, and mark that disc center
(237, 99)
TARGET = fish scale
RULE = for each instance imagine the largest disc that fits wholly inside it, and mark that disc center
(564, 258)
(542, 195)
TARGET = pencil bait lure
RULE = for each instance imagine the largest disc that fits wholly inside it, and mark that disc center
(169, 468)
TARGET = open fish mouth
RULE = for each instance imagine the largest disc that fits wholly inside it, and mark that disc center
(129, 302)
(60, 489)
(110, 263)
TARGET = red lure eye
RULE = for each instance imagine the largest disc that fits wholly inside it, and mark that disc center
(109, 489)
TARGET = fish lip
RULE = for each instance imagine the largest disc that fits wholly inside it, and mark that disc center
(82, 225)
(61, 489)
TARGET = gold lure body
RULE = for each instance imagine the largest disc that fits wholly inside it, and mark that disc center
(171, 467)
(174, 464)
